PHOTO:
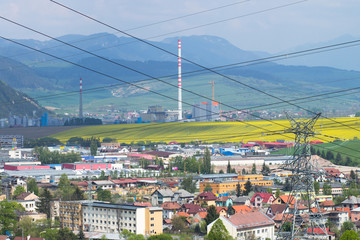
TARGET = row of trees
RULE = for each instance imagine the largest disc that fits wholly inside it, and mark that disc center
(335, 158)
(44, 155)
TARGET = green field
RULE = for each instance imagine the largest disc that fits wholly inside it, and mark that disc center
(212, 131)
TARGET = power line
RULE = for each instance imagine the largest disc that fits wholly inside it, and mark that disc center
(199, 65)
(148, 25)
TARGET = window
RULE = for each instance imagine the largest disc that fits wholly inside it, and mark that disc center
(152, 225)
(152, 219)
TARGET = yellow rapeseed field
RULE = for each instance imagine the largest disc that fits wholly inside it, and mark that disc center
(328, 129)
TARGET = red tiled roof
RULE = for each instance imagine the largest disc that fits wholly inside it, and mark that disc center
(250, 220)
(206, 196)
(218, 209)
(170, 205)
(23, 195)
(3, 237)
(327, 203)
(160, 153)
(287, 199)
(193, 208)
(202, 214)
(182, 214)
(168, 221)
(242, 208)
(319, 231)
(146, 204)
(82, 184)
(281, 216)
(264, 196)
(223, 198)
(277, 208)
(123, 181)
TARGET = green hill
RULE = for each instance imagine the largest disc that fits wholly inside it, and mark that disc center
(17, 103)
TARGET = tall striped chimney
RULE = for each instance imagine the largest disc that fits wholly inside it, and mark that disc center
(80, 101)
(179, 82)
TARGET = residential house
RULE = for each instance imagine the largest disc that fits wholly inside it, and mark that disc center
(182, 196)
(284, 199)
(262, 198)
(355, 214)
(274, 209)
(242, 200)
(160, 196)
(319, 233)
(169, 209)
(192, 208)
(224, 201)
(222, 211)
(242, 208)
(352, 202)
(205, 199)
(339, 216)
(242, 226)
(104, 184)
(200, 216)
(335, 175)
(27, 196)
(327, 205)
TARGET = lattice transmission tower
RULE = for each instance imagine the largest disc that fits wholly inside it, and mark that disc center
(302, 218)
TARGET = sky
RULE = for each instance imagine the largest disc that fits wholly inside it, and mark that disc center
(262, 25)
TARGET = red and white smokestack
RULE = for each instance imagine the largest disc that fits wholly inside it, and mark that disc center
(80, 101)
(179, 82)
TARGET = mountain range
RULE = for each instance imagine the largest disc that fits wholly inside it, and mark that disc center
(38, 74)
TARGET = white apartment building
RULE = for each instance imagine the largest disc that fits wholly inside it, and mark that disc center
(113, 218)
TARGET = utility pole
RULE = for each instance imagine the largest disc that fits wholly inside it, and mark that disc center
(213, 89)
(303, 168)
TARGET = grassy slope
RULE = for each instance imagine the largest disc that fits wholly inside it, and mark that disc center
(209, 131)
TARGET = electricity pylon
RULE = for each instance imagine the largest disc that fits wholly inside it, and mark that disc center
(302, 213)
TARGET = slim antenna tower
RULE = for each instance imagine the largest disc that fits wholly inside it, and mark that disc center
(179, 82)
(80, 101)
(302, 218)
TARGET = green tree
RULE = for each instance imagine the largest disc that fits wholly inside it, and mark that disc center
(228, 169)
(221, 171)
(338, 158)
(327, 188)
(162, 236)
(277, 193)
(347, 226)
(349, 234)
(265, 170)
(188, 184)
(66, 234)
(8, 216)
(19, 190)
(230, 210)
(178, 223)
(316, 187)
(50, 234)
(93, 148)
(66, 190)
(352, 175)
(207, 162)
(32, 186)
(243, 171)
(78, 194)
(238, 190)
(104, 195)
(253, 169)
(248, 188)
(81, 235)
(218, 232)
(27, 227)
(136, 237)
(44, 204)
(212, 215)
